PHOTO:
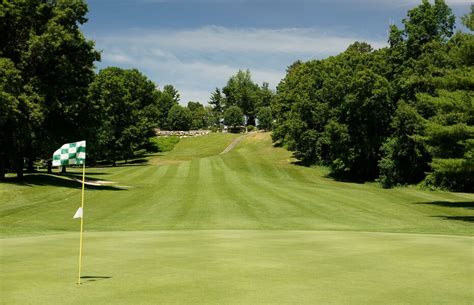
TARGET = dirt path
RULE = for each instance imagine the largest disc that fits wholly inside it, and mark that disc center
(232, 145)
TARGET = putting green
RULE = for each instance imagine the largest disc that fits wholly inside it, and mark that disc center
(246, 227)
(239, 267)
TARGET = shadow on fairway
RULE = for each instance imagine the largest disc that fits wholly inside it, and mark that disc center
(133, 162)
(79, 175)
(60, 181)
(458, 218)
(457, 204)
(94, 278)
(469, 205)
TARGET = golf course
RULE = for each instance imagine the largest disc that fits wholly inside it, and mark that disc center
(207, 225)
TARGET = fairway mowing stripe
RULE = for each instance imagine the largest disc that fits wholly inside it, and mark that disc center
(264, 186)
(229, 194)
(265, 183)
(128, 205)
(152, 206)
(239, 196)
(167, 202)
(148, 202)
(206, 191)
(187, 196)
(153, 203)
(143, 175)
(260, 166)
(299, 175)
(313, 209)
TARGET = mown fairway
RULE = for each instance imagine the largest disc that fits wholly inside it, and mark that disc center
(245, 227)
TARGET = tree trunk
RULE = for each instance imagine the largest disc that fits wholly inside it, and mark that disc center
(19, 168)
(30, 168)
(63, 169)
(50, 166)
(2, 169)
(113, 163)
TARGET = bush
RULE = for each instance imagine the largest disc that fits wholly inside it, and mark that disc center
(250, 128)
(451, 174)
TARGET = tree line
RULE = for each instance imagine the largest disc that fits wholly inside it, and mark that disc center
(242, 102)
(402, 114)
(50, 93)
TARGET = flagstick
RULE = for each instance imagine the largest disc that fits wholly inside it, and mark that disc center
(82, 222)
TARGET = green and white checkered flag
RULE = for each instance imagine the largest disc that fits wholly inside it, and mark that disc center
(70, 153)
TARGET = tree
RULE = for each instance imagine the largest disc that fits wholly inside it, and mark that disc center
(427, 22)
(366, 111)
(179, 118)
(449, 139)
(405, 158)
(265, 119)
(266, 96)
(129, 111)
(20, 115)
(468, 19)
(241, 91)
(233, 117)
(167, 99)
(55, 61)
(217, 102)
(198, 114)
(172, 92)
(396, 113)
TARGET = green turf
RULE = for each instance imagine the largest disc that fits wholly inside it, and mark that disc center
(165, 144)
(246, 227)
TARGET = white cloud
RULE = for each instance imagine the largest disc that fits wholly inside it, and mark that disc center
(198, 60)
(221, 39)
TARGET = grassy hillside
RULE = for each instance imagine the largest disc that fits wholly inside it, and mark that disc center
(247, 227)
(254, 186)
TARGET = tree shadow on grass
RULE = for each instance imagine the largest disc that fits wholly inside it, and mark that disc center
(78, 174)
(71, 181)
(468, 205)
(128, 164)
(451, 204)
(93, 278)
(458, 218)
(336, 177)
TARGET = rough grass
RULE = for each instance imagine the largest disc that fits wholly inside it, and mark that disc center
(246, 227)
(165, 144)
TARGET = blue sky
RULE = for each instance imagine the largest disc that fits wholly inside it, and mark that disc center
(196, 45)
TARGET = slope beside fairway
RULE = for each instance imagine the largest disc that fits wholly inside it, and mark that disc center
(254, 186)
(246, 227)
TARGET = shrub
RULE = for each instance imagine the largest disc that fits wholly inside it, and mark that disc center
(451, 174)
